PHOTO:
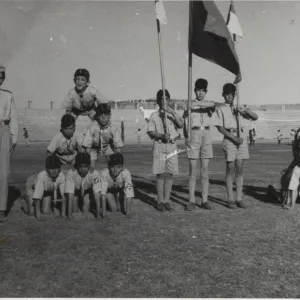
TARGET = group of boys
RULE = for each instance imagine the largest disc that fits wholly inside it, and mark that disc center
(70, 172)
(204, 116)
(70, 168)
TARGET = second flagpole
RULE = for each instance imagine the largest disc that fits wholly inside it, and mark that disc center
(162, 73)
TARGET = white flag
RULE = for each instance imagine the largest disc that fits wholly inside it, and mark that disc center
(233, 23)
(160, 12)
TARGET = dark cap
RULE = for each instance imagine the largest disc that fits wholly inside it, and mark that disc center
(82, 159)
(82, 72)
(115, 159)
(229, 88)
(160, 95)
(67, 121)
(201, 84)
(53, 162)
(103, 109)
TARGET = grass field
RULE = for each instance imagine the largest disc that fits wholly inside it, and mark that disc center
(219, 253)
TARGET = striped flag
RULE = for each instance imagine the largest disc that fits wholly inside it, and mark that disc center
(233, 23)
(160, 12)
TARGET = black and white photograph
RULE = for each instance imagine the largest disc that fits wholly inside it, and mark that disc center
(149, 149)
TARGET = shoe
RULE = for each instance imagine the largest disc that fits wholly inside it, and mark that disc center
(205, 205)
(160, 207)
(241, 204)
(168, 206)
(190, 206)
(231, 205)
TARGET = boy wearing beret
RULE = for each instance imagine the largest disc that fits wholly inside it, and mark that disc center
(68, 142)
(199, 144)
(165, 159)
(234, 147)
(83, 98)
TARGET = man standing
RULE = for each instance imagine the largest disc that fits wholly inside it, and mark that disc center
(26, 136)
(8, 140)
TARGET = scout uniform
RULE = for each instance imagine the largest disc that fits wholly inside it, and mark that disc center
(201, 123)
(8, 136)
(66, 149)
(228, 120)
(79, 186)
(163, 160)
(79, 103)
(41, 185)
(121, 182)
(103, 141)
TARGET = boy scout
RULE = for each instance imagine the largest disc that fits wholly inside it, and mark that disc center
(165, 159)
(116, 185)
(200, 142)
(102, 137)
(83, 98)
(83, 184)
(42, 188)
(8, 140)
(67, 143)
(235, 148)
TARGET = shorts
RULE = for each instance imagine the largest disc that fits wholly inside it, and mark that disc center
(294, 182)
(233, 152)
(165, 158)
(201, 144)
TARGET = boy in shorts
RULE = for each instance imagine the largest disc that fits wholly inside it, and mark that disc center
(165, 159)
(235, 148)
(83, 98)
(116, 186)
(83, 185)
(68, 142)
(43, 188)
(102, 137)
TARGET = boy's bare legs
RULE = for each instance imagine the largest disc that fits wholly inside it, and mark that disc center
(192, 183)
(229, 183)
(86, 205)
(239, 182)
(160, 191)
(168, 182)
(75, 204)
(205, 182)
(111, 201)
(118, 203)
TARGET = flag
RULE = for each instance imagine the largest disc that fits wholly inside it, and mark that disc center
(160, 12)
(233, 23)
(210, 38)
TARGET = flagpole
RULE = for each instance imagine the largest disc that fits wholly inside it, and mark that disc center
(190, 72)
(237, 94)
(162, 74)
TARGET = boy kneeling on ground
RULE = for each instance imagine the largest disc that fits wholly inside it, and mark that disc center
(116, 186)
(41, 189)
(83, 184)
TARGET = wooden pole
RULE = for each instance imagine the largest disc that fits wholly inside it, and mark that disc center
(237, 96)
(162, 74)
(190, 73)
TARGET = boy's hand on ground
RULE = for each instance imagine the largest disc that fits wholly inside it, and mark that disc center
(39, 218)
(71, 217)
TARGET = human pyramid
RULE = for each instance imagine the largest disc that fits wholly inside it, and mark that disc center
(70, 173)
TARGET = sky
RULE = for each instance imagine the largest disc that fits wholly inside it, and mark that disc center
(42, 44)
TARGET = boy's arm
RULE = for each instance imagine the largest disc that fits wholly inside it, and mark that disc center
(37, 209)
(178, 120)
(62, 186)
(13, 123)
(117, 140)
(67, 103)
(69, 191)
(128, 207)
(231, 137)
(97, 197)
(100, 98)
(128, 191)
(104, 188)
(248, 113)
(53, 145)
(103, 204)
(87, 141)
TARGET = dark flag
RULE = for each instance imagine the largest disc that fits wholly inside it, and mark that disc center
(210, 38)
